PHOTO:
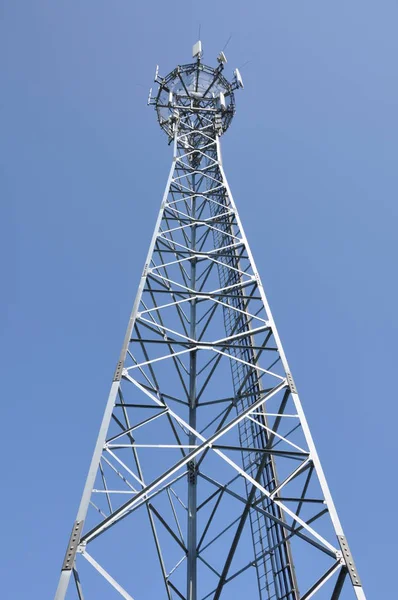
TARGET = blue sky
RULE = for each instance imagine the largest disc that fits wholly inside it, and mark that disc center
(311, 159)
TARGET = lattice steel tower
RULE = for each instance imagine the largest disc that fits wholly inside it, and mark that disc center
(205, 482)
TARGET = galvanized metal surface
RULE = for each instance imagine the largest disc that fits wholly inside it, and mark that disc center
(204, 437)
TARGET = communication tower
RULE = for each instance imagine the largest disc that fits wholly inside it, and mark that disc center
(205, 482)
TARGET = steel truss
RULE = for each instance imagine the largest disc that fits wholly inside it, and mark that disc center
(204, 470)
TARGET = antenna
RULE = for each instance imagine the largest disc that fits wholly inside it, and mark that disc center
(222, 58)
(197, 49)
(238, 78)
(227, 42)
(222, 102)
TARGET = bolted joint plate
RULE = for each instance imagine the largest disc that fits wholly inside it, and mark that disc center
(349, 561)
(118, 371)
(146, 269)
(291, 383)
(72, 546)
(192, 471)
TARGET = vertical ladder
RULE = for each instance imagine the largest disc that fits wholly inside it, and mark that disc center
(272, 558)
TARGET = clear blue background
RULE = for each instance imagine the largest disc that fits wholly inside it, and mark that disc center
(311, 159)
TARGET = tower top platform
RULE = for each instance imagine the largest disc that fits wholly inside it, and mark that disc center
(196, 89)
